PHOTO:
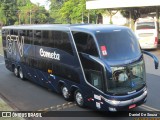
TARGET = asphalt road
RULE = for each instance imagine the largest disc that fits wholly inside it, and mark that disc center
(27, 96)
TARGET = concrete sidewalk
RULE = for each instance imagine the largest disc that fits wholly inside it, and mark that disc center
(5, 107)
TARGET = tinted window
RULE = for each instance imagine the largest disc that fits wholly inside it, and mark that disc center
(62, 41)
(28, 36)
(85, 43)
(4, 34)
(47, 39)
(145, 25)
(118, 45)
(22, 32)
(15, 32)
(37, 37)
(11, 32)
(93, 72)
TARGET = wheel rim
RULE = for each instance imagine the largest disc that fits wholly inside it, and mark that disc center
(79, 98)
(65, 92)
(16, 71)
(20, 73)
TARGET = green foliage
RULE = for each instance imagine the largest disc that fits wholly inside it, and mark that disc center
(72, 11)
(9, 10)
(134, 12)
(21, 12)
(61, 11)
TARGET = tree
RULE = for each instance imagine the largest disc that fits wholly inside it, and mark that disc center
(134, 12)
(40, 15)
(9, 10)
(31, 14)
(2, 17)
(72, 11)
(54, 11)
(21, 12)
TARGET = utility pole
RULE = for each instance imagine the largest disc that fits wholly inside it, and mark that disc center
(19, 17)
(82, 18)
(88, 17)
(30, 17)
(130, 19)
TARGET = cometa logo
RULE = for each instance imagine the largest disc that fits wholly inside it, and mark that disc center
(46, 54)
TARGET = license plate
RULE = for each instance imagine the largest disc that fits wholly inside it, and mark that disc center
(132, 106)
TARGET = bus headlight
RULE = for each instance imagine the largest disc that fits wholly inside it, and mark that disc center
(144, 89)
(112, 102)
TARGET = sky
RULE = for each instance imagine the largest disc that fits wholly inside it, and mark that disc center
(42, 2)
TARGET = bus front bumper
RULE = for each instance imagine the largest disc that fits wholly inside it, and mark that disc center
(127, 104)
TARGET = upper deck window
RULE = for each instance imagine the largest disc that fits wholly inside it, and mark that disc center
(118, 44)
(85, 43)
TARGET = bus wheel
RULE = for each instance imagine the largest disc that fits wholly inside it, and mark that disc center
(21, 75)
(79, 98)
(16, 71)
(65, 93)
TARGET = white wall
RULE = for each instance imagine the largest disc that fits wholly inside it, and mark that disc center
(117, 19)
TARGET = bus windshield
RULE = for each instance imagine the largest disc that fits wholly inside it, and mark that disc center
(145, 25)
(118, 45)
(126, 79)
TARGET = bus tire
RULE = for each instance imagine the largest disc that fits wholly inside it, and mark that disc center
(21, 74)
(79, 98)
(65, 93)
(15, 70)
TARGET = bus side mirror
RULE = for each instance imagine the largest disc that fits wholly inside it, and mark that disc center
(156, 61)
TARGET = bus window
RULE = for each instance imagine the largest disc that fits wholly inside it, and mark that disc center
(96, 79)
(93, 71)
(21, 32)
(118, 45)
(85, 43)
(48, 39)
(11, 32)
(45, 38)
(4, 35)
(28, 36)
(37, 37)
(15, 32)
(62, 41)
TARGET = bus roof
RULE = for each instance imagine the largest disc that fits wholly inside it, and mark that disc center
(92, 28)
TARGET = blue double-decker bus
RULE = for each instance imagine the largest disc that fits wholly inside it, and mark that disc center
(99, 66)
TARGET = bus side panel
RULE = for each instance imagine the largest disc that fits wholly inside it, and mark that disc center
(6, 49)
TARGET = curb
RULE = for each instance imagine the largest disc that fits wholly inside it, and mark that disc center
(5, 107)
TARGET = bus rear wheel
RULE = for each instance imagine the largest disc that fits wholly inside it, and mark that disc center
(21, 75)
(79, 98)
(16, 71)
(65, 93)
